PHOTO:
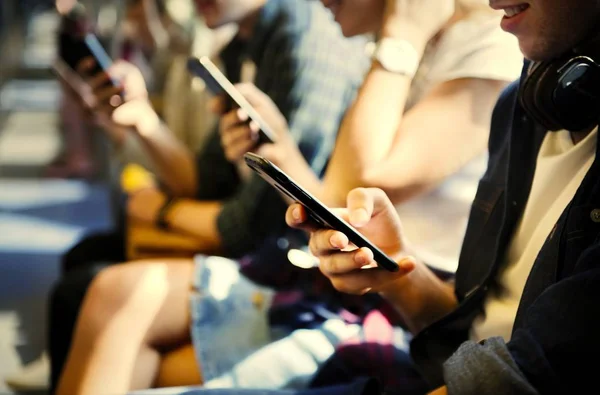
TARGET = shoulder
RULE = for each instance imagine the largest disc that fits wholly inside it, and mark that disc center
(308, 37)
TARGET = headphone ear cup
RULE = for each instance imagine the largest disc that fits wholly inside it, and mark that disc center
(528, 90)
(536, 94)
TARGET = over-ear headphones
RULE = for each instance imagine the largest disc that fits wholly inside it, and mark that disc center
(564, 93)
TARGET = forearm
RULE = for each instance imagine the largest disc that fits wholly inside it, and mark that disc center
(369, 128)
(367, 131)
(173, 162)
(197, 219)
(429, 144)
(421, 297)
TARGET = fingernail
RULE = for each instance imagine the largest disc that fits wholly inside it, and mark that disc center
(338, 240)
(296, 214)
(360, 259)
(408, 263)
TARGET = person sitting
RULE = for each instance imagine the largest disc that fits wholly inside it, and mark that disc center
(149, 38)
(520, 315)
(410, 113)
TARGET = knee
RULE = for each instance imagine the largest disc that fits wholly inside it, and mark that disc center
(109, 290)
(136, 285)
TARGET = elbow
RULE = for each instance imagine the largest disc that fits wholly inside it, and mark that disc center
(188, 184)
(188, 189)
(184, 187)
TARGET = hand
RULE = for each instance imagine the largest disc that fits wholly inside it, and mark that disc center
(239, 136)
(121, 107)
(416, 20)
(353, 270)
(144, 205)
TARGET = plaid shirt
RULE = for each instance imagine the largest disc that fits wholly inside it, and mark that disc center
(312, 73)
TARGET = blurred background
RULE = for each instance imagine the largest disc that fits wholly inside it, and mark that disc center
(41, 216)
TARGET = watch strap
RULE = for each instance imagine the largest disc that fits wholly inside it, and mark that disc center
(161, 218)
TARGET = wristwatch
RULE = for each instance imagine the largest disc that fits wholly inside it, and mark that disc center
(397, 56)
(161, 218)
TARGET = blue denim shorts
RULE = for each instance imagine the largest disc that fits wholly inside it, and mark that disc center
(235, 346)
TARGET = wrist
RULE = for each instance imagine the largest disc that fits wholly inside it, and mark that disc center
(148, 123)
(163, 217)
(398, 29)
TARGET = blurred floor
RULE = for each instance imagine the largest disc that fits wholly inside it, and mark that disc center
(39, 218)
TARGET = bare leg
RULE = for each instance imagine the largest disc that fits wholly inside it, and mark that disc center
(131, 315)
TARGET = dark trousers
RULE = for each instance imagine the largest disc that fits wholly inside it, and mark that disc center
(80, 265)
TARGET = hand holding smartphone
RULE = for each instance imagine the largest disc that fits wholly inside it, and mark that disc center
(78, 42)
(317, 211)
(218, 84)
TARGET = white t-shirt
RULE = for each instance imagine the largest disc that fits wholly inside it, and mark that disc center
(475, 47)
(561, 167)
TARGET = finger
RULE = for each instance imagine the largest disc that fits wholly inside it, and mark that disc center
(364, 203)
(241, 115)
(85, 65)
(106, 96)
(251, 93)
(338, 262)
(232, 118)
(236, 151)
(217, 105)
(364, 280)
(131, 79)
(326, 241)
(237, 135)
(297, 217)
(99, 80)
(128, 114)
(254, 129)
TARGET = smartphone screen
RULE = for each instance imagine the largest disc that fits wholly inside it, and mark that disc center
(218, 84)
(317, 211)
(73, 49)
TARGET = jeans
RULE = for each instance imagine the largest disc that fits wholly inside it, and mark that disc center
(360, 386)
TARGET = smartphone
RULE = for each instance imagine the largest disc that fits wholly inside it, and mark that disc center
(76, 42)
(316, 210)
(69, 77)
(218, 84)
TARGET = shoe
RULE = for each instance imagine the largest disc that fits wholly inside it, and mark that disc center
(34, 376)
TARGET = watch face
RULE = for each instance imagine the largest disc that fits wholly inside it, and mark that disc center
(397, 56)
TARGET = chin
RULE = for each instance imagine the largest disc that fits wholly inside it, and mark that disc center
(347, 32)
(212, 23)
(352, 31)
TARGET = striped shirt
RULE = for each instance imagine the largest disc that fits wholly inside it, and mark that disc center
(312, 73)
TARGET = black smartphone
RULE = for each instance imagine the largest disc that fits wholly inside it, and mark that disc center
(316, 210)
(77, 41)
(218, 84)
